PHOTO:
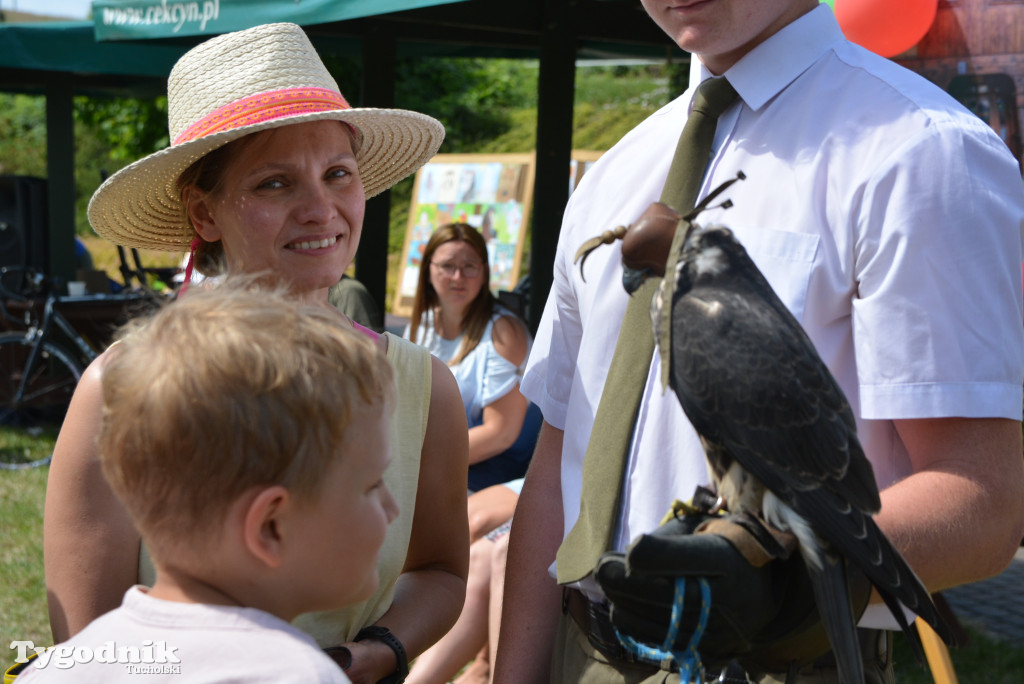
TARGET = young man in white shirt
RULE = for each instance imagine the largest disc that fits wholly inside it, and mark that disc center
(887, 218)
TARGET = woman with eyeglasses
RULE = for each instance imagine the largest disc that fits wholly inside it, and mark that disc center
(460, 321)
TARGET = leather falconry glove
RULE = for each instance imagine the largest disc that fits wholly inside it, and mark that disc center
(761, 608)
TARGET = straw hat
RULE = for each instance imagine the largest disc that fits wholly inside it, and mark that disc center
(236, 84)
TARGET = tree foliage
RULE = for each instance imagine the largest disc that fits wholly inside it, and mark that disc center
(472, 97)
(22, 135)
(476, 100)
(129, 128)
(109, 133)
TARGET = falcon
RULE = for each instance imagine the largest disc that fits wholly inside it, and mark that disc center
(777, 430)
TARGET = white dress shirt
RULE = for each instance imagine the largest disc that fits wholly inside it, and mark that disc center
(887, 217)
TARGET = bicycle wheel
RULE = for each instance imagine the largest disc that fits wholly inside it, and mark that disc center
(48, 389)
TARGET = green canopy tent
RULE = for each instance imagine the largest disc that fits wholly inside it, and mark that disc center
(135, 19)
(130, 46)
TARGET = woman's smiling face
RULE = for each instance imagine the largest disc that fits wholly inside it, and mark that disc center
(290, 202)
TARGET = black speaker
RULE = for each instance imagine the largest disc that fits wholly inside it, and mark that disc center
(24, 225)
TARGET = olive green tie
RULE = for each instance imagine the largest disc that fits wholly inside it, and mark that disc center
(607, 450)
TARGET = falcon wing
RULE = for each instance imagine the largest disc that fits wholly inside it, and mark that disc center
(751, 382)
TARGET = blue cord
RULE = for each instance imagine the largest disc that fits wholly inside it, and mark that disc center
(688, 659)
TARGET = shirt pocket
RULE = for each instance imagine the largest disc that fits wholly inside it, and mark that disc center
(785, 258)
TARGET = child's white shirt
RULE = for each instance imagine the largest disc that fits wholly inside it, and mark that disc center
(153, 640)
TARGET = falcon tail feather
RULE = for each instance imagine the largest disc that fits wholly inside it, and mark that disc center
(832, 595)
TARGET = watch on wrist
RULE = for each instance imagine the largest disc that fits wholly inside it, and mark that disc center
(341, 655)
(391, 641)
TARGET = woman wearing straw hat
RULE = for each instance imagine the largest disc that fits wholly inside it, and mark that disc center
(269, 171)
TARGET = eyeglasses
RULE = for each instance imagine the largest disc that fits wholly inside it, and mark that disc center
(450, 268)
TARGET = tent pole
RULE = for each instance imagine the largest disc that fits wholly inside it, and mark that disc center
(378, 90)
(60, 172)
(556, 90)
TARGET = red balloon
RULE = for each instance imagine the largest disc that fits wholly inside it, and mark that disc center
(886, 27)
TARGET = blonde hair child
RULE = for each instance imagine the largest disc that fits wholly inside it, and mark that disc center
(247, 435)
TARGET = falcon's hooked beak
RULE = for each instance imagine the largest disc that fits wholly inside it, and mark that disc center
(633, 278)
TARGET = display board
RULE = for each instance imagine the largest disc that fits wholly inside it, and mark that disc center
(491, 192)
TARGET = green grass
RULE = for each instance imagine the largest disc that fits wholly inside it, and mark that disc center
(22, 589)
(614, 86)
(983, 660)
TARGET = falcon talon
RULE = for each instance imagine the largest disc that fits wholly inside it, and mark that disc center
(605, 238)
(681, 509)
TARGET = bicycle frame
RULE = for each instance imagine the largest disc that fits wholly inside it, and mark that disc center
(49, 332)
(39, 334)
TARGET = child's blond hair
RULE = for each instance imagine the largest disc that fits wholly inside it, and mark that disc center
(225, 390)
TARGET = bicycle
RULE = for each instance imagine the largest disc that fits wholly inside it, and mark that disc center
(38, 370)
